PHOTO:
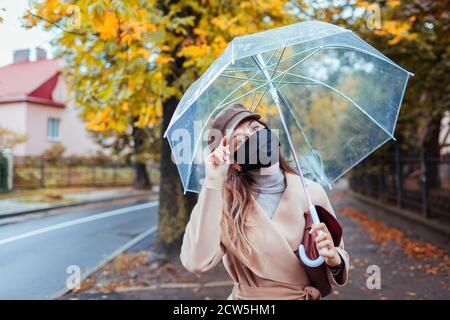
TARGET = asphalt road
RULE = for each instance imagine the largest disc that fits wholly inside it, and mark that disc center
(38, 252)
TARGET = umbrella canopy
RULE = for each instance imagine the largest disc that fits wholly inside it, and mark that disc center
(334, 98)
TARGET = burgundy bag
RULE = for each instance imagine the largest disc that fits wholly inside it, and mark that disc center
(318, 275)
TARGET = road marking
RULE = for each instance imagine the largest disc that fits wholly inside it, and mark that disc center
(79, 221)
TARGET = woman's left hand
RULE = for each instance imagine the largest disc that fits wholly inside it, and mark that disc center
(325, 245)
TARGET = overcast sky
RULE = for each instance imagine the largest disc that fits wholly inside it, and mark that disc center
(13, 36)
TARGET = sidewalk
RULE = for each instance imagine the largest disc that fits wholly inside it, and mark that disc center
(413, 261)
(52, 200)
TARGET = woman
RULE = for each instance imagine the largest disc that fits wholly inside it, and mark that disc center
(251, 216)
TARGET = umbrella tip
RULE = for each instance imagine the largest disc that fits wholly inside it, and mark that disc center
(393, 138)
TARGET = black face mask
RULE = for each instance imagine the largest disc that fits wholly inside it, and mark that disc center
(260, 150)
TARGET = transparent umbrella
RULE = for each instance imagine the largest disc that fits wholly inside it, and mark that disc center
(333, 98)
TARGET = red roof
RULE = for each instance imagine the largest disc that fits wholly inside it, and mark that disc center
(32, 81)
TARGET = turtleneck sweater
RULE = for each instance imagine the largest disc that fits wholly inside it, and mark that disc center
(268, 188)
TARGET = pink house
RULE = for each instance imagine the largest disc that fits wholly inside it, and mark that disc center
(33, 101)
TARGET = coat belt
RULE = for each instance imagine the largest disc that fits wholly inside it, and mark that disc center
(244, 292)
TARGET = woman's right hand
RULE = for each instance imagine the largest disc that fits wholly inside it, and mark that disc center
(217, 164)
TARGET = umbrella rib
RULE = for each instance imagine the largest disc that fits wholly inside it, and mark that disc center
(240, 70)
(234, 91)
(253, 100)
(295, 64)
(259, 100)
(241, 96)
(256, 69)
(273, 53)
(263, 81)
(294, 55)
(265, 90)
(240, 78)
(295, 82)
(273, 73)
(278, 62)
(348, 99)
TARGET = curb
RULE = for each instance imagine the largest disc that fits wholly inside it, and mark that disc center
(77, 204)
(102, 263)
(434, 225)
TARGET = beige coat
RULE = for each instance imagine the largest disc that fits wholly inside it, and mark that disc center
(276, 272)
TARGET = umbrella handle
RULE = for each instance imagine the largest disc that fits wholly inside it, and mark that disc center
(301, 249)
(310, 263)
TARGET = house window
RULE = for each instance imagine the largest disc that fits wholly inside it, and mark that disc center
(53, 129)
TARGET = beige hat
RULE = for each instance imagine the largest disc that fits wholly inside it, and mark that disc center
(228, 119)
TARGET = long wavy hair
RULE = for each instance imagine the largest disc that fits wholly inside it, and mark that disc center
(238, 204)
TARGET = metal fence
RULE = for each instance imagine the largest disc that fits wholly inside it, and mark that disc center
(33, 172)
(406, 181)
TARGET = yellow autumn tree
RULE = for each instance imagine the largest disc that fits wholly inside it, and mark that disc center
(129, 62)
(109, 49)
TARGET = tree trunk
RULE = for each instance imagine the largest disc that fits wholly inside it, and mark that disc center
(433, 152)
(173, 206)
(141, 180)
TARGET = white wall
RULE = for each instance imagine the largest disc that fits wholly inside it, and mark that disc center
(13, 117)
(73, 136)
(36, 122)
